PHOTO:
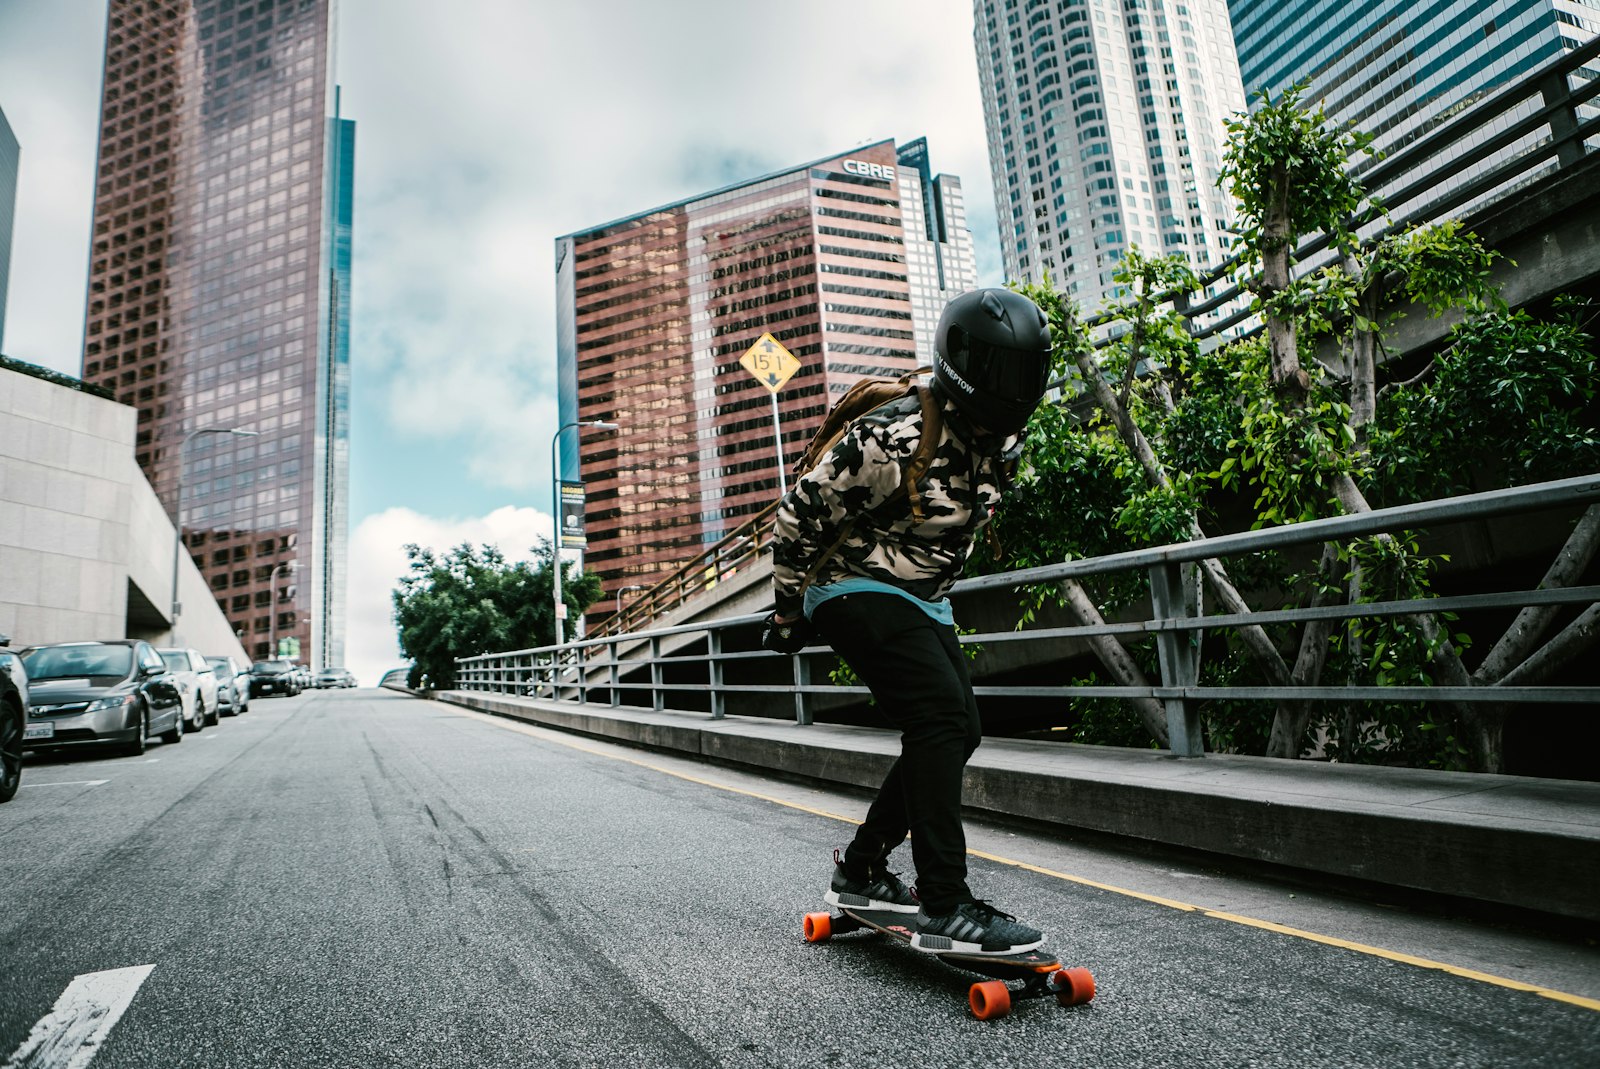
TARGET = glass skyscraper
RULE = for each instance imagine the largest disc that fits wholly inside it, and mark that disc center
(1398, 68)
(219, 295)
(10, 155)
(1105, 128)
(847, 261)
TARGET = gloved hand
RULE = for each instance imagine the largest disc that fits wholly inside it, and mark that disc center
(789, 636)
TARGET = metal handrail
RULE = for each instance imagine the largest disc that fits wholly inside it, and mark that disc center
(592, 670)
(1559, 109)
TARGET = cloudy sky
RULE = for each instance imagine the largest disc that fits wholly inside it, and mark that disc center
(485, 129)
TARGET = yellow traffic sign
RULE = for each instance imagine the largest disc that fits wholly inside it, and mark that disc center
(770, 362)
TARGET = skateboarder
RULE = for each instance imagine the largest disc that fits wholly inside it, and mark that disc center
(851, 558)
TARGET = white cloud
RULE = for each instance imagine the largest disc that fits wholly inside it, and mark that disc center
(378, 561)
(485, 131)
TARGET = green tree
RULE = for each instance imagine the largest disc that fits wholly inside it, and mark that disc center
(471, 601)
(1297, 424)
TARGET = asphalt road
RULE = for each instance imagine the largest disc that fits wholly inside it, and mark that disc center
(363, 879)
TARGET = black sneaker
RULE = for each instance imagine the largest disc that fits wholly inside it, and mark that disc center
(974, 928)
(881, 889)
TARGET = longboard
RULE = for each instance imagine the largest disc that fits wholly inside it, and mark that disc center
(1039, 973)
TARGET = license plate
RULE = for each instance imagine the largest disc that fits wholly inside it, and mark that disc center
(45, 730)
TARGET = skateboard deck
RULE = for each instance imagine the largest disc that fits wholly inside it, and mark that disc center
(1036, 973)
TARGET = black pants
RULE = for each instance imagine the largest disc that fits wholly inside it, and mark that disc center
(918, 676)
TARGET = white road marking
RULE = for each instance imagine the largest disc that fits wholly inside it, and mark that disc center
(71, 1033)
(71, 783)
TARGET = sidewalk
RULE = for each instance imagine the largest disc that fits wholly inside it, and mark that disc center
(1531, 843)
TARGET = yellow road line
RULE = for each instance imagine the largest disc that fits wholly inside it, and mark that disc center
(549, 735)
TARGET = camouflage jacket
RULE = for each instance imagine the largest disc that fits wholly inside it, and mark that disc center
(860, 479)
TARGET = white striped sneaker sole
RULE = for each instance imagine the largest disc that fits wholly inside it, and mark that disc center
(849, 901)
(951, 944)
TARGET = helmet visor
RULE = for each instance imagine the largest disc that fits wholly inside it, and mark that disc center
(1000, 371)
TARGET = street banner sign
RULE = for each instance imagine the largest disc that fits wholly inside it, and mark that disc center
(770, 362)
(572, 531)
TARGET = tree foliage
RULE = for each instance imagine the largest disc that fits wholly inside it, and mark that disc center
(471, 601)
(1304, 420)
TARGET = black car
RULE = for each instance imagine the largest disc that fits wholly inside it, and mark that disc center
(13, 719)
(100, 693)
(274, 677)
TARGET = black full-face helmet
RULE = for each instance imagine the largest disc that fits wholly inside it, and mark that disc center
(993, 358)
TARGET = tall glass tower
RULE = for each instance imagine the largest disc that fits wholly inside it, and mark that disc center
(219, 296)
(10, 156)
(1105, 125)
(1398, 68)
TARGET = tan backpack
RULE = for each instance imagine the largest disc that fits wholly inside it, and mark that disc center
(868, 396)
(864, 397)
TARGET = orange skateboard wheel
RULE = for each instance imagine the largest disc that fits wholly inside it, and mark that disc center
(818, 927)
(989, 999)
(1073, 987)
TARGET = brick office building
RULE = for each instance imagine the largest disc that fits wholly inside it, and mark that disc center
(847, 261)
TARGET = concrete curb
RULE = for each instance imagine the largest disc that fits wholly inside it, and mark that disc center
(1530, 843)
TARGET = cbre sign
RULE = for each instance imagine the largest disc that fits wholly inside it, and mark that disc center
(869, 170)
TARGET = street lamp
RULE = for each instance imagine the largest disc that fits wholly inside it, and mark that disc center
(555, 478)
(177, 511)
(623, 591)
(272, 586)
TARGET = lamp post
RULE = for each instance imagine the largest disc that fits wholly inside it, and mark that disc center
(555, 478)
(623, 591)
(272, 585)
(177, 511)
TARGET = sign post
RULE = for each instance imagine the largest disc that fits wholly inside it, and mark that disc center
(773, 366)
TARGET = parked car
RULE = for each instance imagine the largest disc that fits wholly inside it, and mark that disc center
(233, 685)
(335, 677)
(273, 677)
(194, 675)
(99, 693)
(13, 719)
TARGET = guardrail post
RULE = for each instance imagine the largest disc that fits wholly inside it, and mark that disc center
(719, 703)
(658, 700)
(802, 680)
(615, 655)
(1172, 599)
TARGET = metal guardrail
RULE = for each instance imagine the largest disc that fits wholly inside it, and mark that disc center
(593, 670)
(1436, 164)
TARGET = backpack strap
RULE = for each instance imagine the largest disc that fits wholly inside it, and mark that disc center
(932, 430)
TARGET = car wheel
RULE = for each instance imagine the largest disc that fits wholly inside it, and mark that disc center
(175, 734)
(10, 751)
(198, 724)
(212, 718)
(135, 748)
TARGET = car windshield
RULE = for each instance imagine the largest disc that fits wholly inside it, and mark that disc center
(77, 662)
(220, 663)
(176, 660)
(269, 668)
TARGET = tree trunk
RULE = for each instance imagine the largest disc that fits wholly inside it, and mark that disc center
(1570, 641)
(1254, 637)
(1521, 638)
(1277, 242)
(1116, 659)
(1292, 720)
